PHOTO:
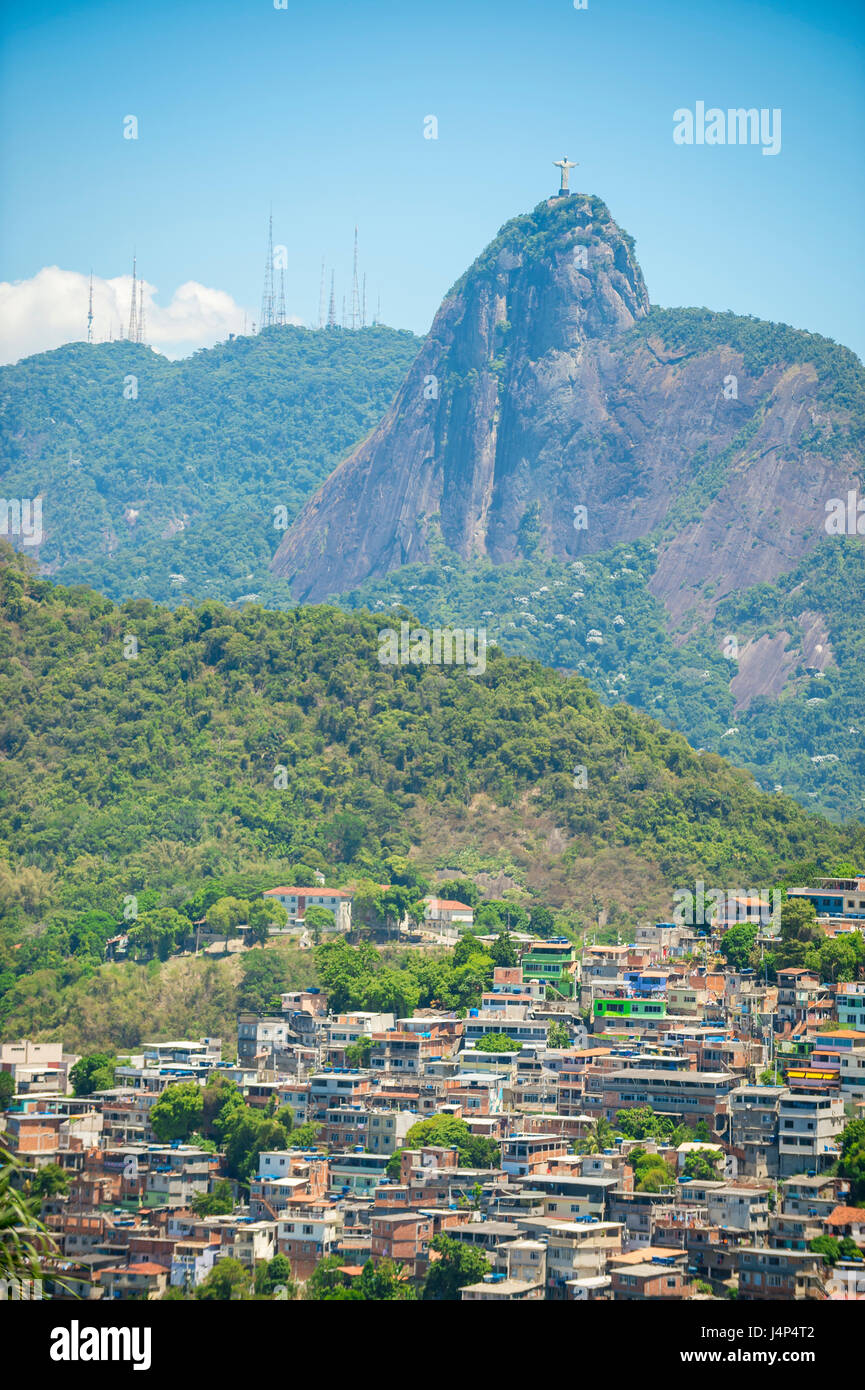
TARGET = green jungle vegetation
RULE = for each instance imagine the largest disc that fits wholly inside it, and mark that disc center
(203, 454)
(840, 373)
(544, 232)
(217, 442)
(597, 617)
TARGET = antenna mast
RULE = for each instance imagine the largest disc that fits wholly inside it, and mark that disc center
(355, 303)
(331, 313)
(133, 305)
(90, 312)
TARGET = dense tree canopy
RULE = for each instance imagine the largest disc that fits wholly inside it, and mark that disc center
(498, 1042)
(129, 783)
(449, 1132)
(93, 1073)
(219, 450)
(178, 1112)
(458, 1264)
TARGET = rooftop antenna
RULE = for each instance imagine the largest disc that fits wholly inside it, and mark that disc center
(267, 292)
(355, 304)
(321, 297)
(331, 313)
(133, 305)
(90, 312)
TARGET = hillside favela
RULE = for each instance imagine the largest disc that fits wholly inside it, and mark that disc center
(432, 757)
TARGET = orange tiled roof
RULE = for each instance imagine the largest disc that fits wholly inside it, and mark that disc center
(846, 1216)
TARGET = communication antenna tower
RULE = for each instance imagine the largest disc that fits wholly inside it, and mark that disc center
(355, 303)
(133, 305)
(331, 313)
(267, 292)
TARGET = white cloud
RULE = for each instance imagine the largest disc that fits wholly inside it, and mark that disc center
(51, 309)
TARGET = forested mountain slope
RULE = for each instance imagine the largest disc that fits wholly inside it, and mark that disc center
(145, 750)
(164, 478)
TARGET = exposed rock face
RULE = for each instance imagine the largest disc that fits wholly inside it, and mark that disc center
(765, 663)
(770, 509)
(533, 392)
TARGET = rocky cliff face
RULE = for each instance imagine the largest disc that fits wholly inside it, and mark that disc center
(544, 409)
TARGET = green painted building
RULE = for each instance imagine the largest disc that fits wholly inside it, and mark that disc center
(553, 962)
(630, 1008)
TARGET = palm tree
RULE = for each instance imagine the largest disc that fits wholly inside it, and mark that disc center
(598, 1137)
(24, 1238)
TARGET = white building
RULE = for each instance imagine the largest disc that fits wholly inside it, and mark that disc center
(808, 1126)
(297, 900)
(42, 1067)
(446, 912)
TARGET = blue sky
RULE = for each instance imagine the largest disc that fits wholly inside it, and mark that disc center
(319, 109)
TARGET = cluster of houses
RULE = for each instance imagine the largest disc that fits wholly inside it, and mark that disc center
(443, 917)
(765, 1076)
(443, 921)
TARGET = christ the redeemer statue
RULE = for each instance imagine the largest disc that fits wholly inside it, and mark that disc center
(565, 165)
